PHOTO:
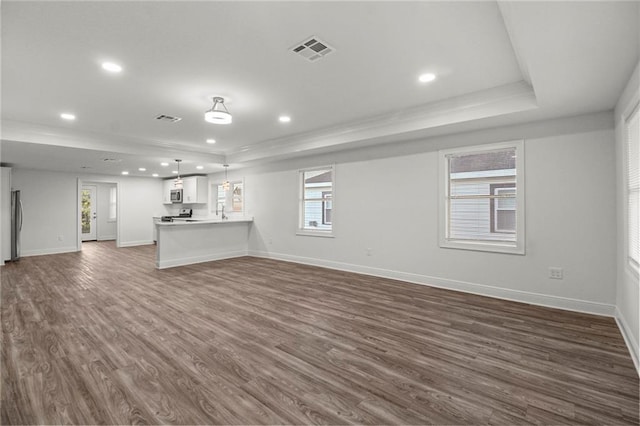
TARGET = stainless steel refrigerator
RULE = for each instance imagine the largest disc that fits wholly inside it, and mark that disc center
(16, 224)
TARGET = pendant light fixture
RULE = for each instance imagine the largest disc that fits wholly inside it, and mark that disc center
(225, 184)
(177, 183)
(218, 114)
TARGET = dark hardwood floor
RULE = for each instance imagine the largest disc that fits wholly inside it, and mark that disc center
(103, 337)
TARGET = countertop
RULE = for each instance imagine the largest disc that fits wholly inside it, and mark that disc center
(196, 221)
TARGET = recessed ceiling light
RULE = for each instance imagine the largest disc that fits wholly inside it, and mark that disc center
(142, 169)
(175, 172)
(212, 141)
(155, 175)
(125, 173)
(111, 67)
(284, 119)
(67, 116)
(164, 164)
(199, 167)
(425, 78)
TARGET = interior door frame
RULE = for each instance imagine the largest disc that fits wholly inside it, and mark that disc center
(89, 181)
(94, 209)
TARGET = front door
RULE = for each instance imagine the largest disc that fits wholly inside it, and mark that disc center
(89, 232)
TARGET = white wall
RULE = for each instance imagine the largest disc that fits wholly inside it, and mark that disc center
(139, 200)
(50, 211)
(570, 207)
(50, 202)
(106, 227)
(5, 214)
(628, 294)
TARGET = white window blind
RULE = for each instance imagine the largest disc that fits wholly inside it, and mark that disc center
(633, 187)
(112, 203)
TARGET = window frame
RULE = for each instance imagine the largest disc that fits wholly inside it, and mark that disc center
(628, 116)
(301, 229)
(113, 204)
(494, 188)
(214, 197)
(516, 247)
(237, 199)
(327, 206)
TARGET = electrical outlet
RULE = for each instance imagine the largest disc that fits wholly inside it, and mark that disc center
(555, 273)
(368, 251)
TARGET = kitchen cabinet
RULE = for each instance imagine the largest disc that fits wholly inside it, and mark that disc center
(195, 190)
(166, 191)
(156, 220)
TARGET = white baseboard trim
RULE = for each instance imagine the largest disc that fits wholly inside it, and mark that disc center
(41, 252)
(549, 301)
(135, 243)
(199, 259)
(629, 339)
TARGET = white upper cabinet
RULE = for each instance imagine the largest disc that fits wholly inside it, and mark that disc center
(195, 190)
(166, 191)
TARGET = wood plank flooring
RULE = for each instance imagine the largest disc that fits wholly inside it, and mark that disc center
(102, 337)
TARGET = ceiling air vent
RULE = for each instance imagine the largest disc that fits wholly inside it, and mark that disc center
(312, 49)
(168, 118)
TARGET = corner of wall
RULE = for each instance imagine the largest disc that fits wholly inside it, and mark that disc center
(629, 339)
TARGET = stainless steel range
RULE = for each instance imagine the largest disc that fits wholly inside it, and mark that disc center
(182, 214)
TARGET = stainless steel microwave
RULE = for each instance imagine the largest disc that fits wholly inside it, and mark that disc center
(176, 195)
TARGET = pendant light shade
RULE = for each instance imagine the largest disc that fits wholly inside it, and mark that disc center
(177, 183)
(225, 184)
(218, 114)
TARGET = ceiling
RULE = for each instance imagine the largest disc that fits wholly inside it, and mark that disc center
(495, 63)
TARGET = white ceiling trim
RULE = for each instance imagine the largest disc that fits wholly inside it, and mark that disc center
(493, 102)
(506, 12)
(71, 138)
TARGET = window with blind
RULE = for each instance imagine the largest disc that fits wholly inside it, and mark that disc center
(482, 198)
(633, 188)
(112, 204)
(316, 201)
(231, 200)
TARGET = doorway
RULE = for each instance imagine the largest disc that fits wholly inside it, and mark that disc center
(98, 211)
(89, 216)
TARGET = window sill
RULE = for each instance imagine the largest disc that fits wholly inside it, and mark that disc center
(491, 247)
(310, 233)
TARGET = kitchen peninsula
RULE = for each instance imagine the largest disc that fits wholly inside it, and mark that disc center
(193, 241)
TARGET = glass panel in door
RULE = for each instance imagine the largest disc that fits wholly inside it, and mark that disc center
(88, 219)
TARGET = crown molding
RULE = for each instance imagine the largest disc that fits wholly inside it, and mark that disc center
(506, 99)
